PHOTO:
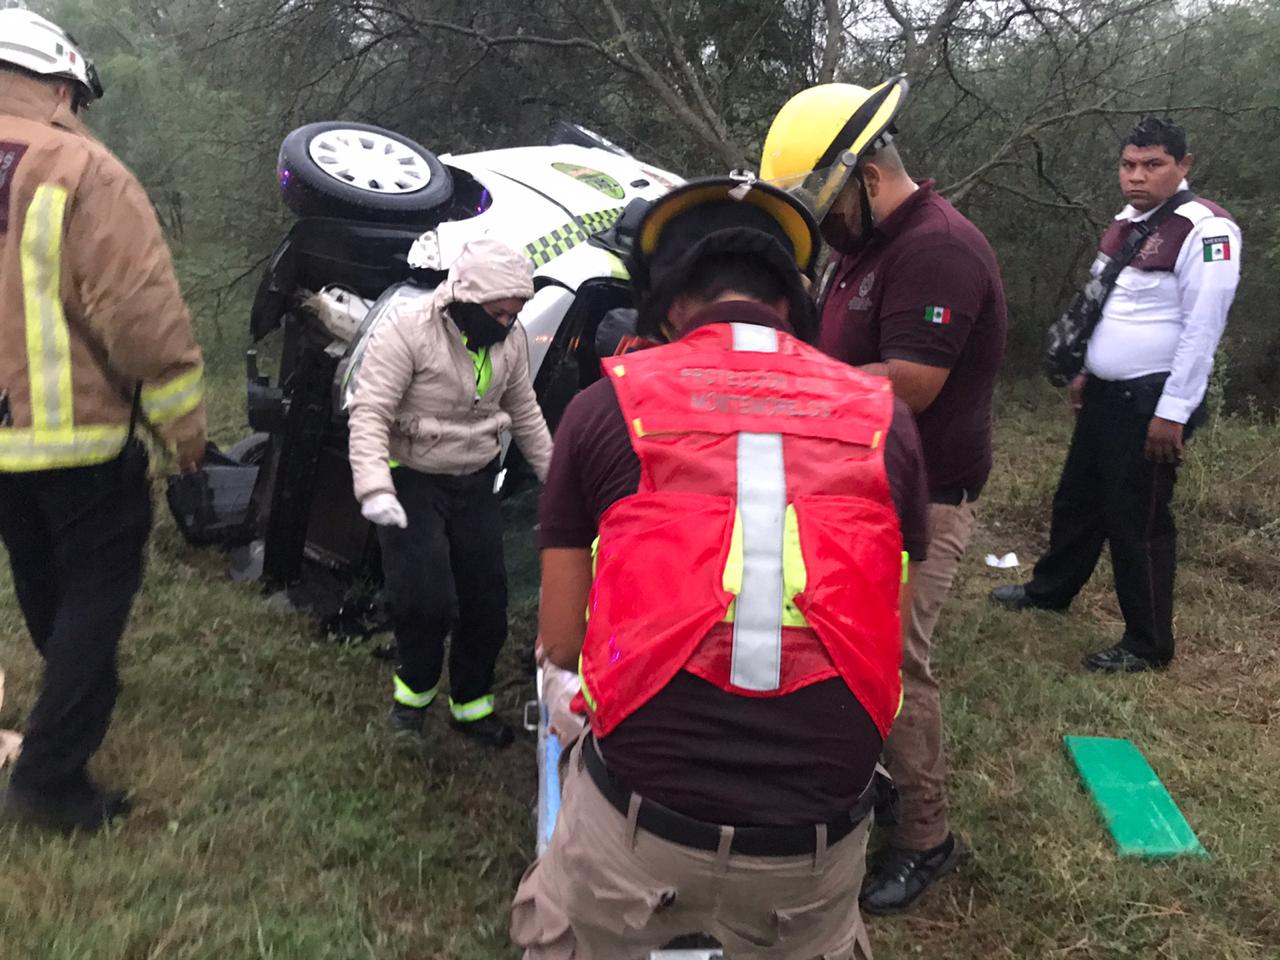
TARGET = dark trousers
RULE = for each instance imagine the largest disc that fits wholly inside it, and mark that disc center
(1111, 492)
(445, 573)
(75, 539)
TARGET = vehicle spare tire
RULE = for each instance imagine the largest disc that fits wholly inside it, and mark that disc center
(360, 172)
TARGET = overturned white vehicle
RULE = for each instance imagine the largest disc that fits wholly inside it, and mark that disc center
(380, 220)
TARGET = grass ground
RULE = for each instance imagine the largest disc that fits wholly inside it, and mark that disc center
(277, 820)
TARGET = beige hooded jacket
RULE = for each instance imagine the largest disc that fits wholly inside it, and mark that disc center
(415, 399)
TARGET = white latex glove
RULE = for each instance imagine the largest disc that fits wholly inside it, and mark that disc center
(384, 510)
(559, 687)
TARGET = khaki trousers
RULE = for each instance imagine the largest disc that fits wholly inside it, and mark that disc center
(913, 752)
(605, 890)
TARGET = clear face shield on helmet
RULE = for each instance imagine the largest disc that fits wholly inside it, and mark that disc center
(818, 189)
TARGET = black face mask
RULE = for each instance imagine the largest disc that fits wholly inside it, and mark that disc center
(481, 329)
(837, 233)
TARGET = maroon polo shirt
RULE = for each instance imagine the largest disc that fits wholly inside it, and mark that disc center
(926, 288)
(796, 759)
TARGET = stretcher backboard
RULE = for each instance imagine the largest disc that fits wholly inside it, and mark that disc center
(1143, 818)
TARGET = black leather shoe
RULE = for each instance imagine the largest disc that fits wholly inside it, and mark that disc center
(489, 730)
(1119, 660)
(898, 877)
(1014, 597)
(404, 719)
(87, 810)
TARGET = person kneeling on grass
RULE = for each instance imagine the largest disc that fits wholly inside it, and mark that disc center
(439, 383)
(751, 499)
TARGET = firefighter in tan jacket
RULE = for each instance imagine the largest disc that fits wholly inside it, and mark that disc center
(437, 387)
(97, 348)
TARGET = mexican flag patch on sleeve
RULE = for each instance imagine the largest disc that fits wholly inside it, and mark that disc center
(937, 314)
(1217, 248)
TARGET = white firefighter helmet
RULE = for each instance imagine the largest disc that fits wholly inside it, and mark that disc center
(33, 43)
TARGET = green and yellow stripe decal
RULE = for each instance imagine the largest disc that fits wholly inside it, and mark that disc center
(564, 238)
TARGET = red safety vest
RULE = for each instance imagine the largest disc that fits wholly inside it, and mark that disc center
(762, 551)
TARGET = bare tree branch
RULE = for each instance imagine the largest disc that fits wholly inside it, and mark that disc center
(944, 22)
(834, 45)
(959, 84)
(958, 190)
(1007, 187)
(733, 67)
(422, 24)
(908, 34)
(663, 16)
(728, 152)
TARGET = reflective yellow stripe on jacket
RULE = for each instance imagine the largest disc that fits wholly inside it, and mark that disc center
(53, 440)
(48, 343)
(165, 402)
(22, 451)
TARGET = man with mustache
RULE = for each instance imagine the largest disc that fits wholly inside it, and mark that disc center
(915, 296)
(1138, 399)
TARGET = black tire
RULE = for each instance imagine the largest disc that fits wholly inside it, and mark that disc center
(251, 451)
(311, 190)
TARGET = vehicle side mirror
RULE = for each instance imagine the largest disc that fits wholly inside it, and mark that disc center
(629, 223)
(621, 236)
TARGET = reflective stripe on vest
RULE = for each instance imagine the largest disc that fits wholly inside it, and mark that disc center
(762, 506)
(832, 530)
(582, 685)
(48, 343)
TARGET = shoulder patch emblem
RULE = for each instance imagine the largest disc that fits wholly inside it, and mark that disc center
(10, 154)
(1217, 248)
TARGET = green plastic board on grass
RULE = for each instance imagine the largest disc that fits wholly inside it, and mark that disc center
(1137, 808)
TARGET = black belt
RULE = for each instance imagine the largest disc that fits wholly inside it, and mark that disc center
(749, 841)
(1146, 389)
(1155, 380)
(953, 496)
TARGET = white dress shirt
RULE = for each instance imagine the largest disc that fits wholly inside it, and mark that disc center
(1158, 321)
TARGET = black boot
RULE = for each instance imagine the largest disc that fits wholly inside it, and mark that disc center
(898, 877)
(490, 731)
(86, 808)
(1015, 597)
(404, 719)
(1119, 660)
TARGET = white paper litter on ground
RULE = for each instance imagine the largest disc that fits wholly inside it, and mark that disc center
(10, 742)
(10, 746)
(1007, 562)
